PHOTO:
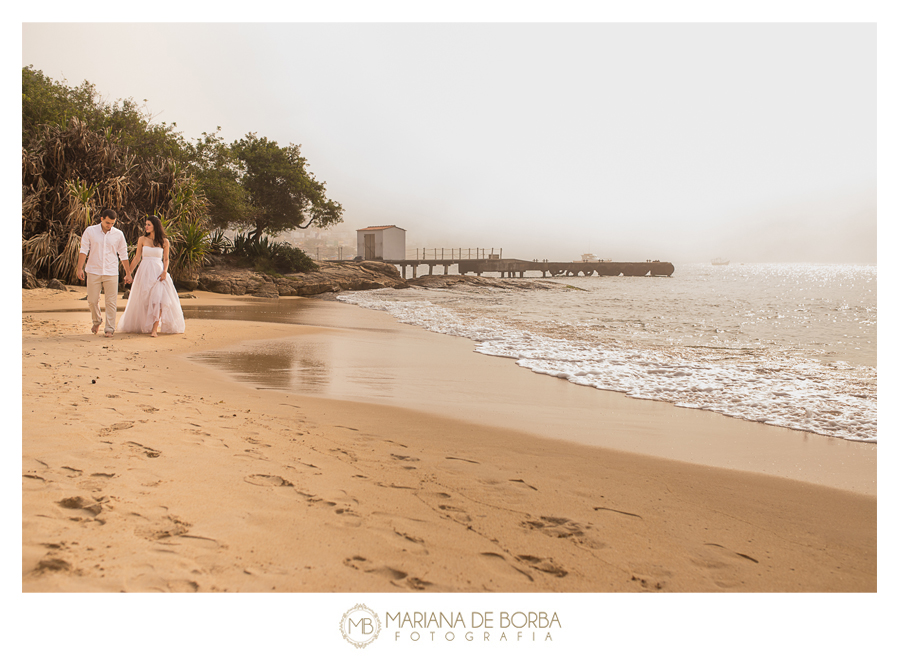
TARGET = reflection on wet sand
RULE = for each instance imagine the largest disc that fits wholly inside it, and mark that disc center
(289, 311)
(320, 365)
(283, 365)
(349, 367)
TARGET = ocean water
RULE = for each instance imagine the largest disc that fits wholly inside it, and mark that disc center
(792, 345)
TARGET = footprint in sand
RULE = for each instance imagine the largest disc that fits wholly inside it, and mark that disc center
(350, 455)
(455, 513)
(51, 565)
(33, 482)
(343, 510)
(650, 577)
(501, 566)
(563, 528)
(116, 427)
(544, 564)
(152, 453)
(162, 528)
(182, 586)
(267, 480)
(90, 507)
(441, 505)
(396, 577)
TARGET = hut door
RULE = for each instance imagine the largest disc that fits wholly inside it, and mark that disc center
(369, 246)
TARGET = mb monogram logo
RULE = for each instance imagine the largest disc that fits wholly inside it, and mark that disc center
(360, 626)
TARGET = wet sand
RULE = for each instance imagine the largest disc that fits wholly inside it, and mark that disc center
(369, 357)
(402, 461)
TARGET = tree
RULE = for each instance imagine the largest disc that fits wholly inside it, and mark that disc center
(218, 173)
(281, 193)
(69, 174)
(46, 102)
(81, 154)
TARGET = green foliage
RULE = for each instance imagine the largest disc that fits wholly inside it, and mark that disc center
(291, 259)
(82, 203)
(46, 102)
(219, 173)
(82, 154)
(282, 194)
(70, 173)
(219, 243)
(190, 244)
(269, 256)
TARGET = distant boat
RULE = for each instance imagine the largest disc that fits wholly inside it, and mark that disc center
(719, 261)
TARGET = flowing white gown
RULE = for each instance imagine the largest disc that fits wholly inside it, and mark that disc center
(151, 299)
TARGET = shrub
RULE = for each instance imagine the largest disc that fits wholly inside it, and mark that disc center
(271, 257)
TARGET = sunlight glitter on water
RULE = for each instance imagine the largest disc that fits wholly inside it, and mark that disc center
(787, 345)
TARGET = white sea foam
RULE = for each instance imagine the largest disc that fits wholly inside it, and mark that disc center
(773, 384)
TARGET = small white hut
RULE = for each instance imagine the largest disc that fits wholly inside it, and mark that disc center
(381, 243)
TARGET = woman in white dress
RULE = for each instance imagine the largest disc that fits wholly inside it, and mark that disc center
(153, 305)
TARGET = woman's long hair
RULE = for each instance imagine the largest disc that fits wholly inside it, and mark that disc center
(159, 235)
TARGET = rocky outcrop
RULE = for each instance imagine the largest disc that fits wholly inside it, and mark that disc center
(186, 281)
(331, 277)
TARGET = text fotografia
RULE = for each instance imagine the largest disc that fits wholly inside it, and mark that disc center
(479, 626)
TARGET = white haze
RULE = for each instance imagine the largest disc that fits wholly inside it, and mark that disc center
(679, 142)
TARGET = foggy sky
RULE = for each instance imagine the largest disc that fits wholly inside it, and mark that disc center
(679, 142)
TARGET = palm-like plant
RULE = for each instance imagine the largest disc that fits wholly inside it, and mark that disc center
(81, 204)
(191, 247)
(70, 173)
(38, 252)
(64, 264)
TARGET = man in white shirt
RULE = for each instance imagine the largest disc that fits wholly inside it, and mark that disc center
(104, 246)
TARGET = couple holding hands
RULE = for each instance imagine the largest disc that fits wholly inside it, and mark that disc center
(153, 305)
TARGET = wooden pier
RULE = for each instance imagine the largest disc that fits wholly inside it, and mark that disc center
(512, 267)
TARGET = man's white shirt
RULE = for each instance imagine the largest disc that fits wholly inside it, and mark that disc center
(104, 250)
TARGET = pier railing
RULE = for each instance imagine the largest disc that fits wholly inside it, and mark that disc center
(454, 253)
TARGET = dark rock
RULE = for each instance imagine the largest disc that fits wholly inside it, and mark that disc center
(331, 277)
(28, 280)
(56, 284)
(265, 289)
(187, 282)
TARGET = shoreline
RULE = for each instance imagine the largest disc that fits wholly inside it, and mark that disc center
(227, 487)
(452, 381)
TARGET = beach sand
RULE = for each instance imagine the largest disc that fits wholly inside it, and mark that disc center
(361, 455)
